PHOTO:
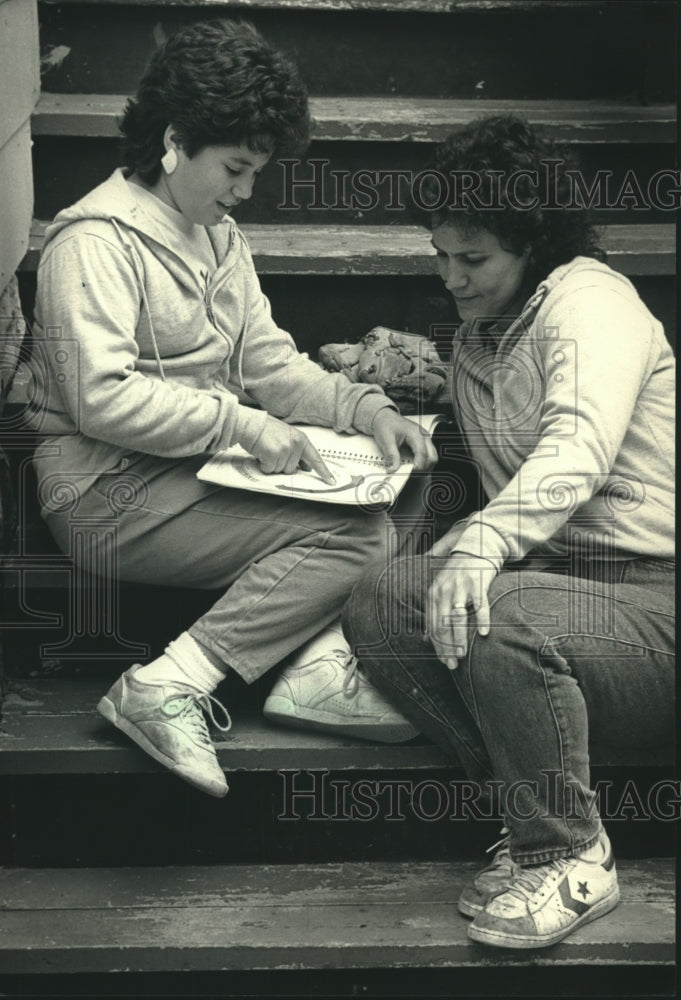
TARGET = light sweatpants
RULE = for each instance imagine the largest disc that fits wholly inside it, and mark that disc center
(286, 566)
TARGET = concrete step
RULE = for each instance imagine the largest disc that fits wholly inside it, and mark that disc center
(242, 917)
(469, 49)
(388, 6)
(50, 726)
(369, 142)
(398, 119)
(402, 250)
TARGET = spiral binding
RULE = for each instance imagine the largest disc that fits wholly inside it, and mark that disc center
(352, 456)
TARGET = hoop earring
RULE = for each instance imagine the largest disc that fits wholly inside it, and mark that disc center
(169, 161)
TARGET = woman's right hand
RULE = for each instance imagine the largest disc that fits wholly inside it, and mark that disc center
(283, 448)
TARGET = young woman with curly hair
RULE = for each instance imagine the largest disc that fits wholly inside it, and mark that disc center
(168, 352)
(546, 618)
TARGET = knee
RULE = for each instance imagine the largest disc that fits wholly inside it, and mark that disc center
(388, 598)
(525, 608)
(508, 623)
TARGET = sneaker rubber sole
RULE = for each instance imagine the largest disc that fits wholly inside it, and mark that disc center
(469, 909)
(286, 713)
(502, 940)
(108, 710)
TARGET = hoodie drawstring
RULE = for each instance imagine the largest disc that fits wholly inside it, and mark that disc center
(239, 361)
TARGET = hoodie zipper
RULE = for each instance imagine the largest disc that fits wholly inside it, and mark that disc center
(211, 292)
(206, 292)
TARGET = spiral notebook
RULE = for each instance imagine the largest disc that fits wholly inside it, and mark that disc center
(354, 459)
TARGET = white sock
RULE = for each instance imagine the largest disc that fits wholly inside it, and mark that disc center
(183, 662)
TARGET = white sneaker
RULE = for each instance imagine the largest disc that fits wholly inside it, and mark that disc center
(544, 903)
(324, 689)
(167, 721)
(492, 880)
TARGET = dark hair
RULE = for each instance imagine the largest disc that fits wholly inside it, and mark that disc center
(219, 83)
(494, 149)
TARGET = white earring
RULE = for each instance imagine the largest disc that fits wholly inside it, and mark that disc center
(169, 161)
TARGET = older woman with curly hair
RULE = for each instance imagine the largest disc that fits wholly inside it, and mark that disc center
(168, 352)
(545, 619)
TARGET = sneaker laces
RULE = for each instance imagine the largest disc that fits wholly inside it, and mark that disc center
(502, 849)
(353, 675)
(532, 880)
(189, 708)
(350, 664)
(502, 842)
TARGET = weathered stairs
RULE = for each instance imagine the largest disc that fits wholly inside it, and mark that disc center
(328, 854)
(313, 877)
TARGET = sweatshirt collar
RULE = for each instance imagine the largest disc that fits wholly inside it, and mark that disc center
(116, 199)
(508, 329)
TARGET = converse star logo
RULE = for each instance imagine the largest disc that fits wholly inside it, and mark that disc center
(583, 889)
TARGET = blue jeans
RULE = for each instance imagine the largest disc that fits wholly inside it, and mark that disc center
(567, 655)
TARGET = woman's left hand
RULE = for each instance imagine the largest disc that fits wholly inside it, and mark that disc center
(391, 430)
(459, 589)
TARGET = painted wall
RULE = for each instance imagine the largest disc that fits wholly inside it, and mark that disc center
(19, 89)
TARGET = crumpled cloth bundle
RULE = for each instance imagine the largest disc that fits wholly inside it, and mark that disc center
(406, 366)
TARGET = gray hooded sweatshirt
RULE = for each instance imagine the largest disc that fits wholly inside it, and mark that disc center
(137, 353)
(569, 415)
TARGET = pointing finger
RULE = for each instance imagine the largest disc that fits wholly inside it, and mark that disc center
(312, 460)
